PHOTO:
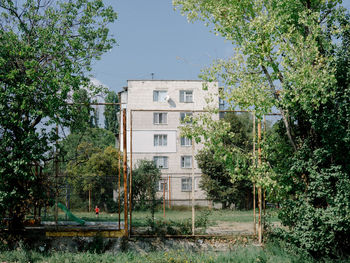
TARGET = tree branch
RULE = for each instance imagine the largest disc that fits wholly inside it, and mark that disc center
(283, 113)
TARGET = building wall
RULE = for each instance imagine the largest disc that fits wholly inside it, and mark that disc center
(139, 99)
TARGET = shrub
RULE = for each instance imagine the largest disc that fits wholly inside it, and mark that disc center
(319, 219)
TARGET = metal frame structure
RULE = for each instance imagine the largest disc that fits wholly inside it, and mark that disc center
(261, 198)
(128, 200)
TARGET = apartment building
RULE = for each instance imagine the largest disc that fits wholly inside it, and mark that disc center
(159, 108)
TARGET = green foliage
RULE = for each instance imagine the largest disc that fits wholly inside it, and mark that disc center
(145, 178)
(272, 252)
(83, 116)
(292, 56)
(110, 113)
(94, 139)
(46, 50)
(90, 162)
(217, 183)
(217, 175)
(317, 175)
(93, 171)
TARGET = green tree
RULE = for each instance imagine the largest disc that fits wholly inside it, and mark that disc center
(96, 137)
(286, 56)
(95, 170)
(216, 179)
(81, 112)
(280, 52)
(47, 48)
(76, 151)
(145, 178)
(110, 113)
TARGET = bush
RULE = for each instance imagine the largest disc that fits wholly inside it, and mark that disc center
(319, 219)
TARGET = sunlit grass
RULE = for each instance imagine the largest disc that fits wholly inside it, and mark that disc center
(240, 254)
(140, 218)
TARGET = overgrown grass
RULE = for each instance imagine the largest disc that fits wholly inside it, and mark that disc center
(271, 253)
(142, 218)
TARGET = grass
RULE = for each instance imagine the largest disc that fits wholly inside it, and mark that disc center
(139, 218)
(241, 254)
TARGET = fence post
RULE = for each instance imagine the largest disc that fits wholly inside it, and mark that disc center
(125, 166)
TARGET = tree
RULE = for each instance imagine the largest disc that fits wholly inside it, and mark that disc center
(82, 114)
(145, 178)
(110, 113)
(279, 48)
(95, 171)
(216, 179)
(286, 56)
(98, 138)
(76, 151)
(47, 48)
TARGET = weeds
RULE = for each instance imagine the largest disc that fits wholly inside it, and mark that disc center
(163, 227)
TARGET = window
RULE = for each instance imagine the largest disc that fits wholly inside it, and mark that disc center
(186, 161)
(183, 116)
(221, 107)
(160, 118)
(221, 104)
(186, 184)
(160, 140)
(161, 185)
(161, 162)
(186, 141)
(186, 96)
(159, 95)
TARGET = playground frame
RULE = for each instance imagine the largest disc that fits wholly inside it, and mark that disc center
(127, 229)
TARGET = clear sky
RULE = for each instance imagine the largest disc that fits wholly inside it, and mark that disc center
(153, 38)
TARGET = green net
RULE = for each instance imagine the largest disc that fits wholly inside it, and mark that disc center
(70, 215)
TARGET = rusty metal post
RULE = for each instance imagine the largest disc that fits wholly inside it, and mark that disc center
(125, 170)
(130, 174)
(90, 198)
(56, 178)
(193, 184)
(264, 195)
(164, 182)
(253, 163)
(169, 193)
(119, 120)
(119, 186)
(259, 188)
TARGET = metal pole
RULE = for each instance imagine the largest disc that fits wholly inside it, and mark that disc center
(119, 119)
(125, 166)
(66, 197)
(264, 194)
(36, 171)
(169, 195)
(130, 175)
(89, 197)
(193, 210)
(254, 194)
(119, 188)
(259, 188)
(164, 182)
(56, 179)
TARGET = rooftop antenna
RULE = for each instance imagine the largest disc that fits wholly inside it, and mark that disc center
(152, 74)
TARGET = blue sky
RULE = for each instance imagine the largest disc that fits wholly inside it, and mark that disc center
(153, 38)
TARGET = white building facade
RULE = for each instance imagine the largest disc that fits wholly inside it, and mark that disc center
(159, 108)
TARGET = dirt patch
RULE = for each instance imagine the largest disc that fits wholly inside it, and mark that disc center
(222, 228)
